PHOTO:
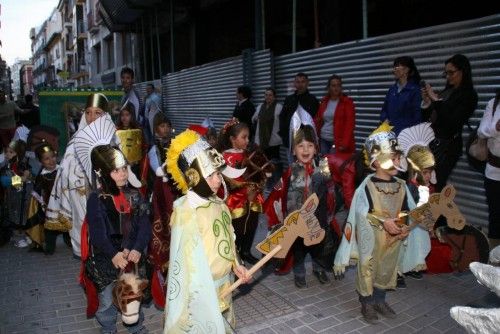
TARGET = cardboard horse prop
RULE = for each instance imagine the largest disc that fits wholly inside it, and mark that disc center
(127, 296)
(300, 223)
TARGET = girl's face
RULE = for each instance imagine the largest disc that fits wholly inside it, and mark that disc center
(241, 140)
(162, 130)
(120, 176)
(125, 118)
(304, 151)
(214, 181)
(93, 113)
(9, 153)
(48, 160)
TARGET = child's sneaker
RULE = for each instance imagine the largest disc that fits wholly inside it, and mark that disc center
(401, 284)
(22, 243)
(369, 313)
(415, 275)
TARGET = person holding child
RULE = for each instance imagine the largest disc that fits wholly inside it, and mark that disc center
(202, 250)
(374, 231)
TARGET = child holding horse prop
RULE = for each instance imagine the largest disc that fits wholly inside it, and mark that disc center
(245, 199)
(118, 227)
(303, 177)
(203, 254)
(374, 233)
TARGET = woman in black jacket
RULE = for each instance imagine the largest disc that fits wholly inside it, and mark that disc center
(448, 111)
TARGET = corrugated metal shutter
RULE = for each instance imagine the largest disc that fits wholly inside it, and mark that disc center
(203, 91)
(366, 68)
(262, 76)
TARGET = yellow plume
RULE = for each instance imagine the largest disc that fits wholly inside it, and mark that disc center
(179, 144)
(384, 127)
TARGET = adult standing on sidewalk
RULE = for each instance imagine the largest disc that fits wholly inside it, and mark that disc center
(301, 97)
(490, 128)
(267, 120)
(335, 119)
(448, 111)
(403, 100)
(8, 110)
(130, 93)
(244, 108)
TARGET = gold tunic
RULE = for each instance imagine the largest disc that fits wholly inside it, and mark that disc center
(381, 270)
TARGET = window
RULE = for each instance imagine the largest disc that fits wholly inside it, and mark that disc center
(97, 57)
(110, 52)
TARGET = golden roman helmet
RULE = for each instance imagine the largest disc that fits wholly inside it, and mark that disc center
(381, 145)
(97, 100)
(190, 159)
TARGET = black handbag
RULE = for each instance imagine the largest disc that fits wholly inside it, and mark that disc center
(100, 270)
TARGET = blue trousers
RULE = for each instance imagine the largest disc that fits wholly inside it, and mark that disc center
(107, 312)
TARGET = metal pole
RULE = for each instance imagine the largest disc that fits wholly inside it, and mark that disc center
(151, 48)
(158, 42)
(365, 19)
(172, 60)
(258, 24)
(143, 50)
(263, 15)
(294, 25)
(316, 25)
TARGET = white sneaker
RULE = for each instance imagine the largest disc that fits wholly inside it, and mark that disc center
(21, 243)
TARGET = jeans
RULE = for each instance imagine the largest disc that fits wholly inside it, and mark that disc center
(378, 297)
(107, 311)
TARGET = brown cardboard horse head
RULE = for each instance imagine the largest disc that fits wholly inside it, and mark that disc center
(127, 296)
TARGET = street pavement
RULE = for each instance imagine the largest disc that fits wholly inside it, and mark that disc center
(40, 294)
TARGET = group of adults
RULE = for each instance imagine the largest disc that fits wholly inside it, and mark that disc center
(408, 102)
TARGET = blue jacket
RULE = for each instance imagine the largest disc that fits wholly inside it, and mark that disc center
(402, 109)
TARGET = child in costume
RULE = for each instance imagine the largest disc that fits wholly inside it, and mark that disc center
(68, 200)
(202, 250)
(302, 178)
(163, 198)
(15, 175)
(374, 233)
(245, 200)
(44, 182)
(117, 219)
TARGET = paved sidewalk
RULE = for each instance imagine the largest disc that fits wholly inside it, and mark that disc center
(40, 294)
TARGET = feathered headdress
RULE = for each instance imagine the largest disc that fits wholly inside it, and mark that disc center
(177, 145)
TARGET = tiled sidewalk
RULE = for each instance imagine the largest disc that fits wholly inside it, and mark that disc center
(40, 294)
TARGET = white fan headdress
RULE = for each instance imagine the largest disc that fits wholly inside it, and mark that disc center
(300, 118)
(99, 132)
(414, 142)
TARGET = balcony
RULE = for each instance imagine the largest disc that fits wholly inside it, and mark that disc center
(80, 28)
(93, 25)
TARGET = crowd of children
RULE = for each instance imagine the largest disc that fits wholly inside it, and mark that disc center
(205, 211)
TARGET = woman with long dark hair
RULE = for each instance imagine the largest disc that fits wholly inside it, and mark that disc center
(448, 111)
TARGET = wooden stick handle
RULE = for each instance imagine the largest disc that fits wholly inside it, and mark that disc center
(252, 270)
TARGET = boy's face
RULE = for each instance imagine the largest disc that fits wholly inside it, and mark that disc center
(396, 161)
(127, 81)
(163, 130)
(214, 181)
(304, 151)
(9, 153)
(120, 176)
(427, 175)
(48, 160)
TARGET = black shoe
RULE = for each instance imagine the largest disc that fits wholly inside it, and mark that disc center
(300, 282)
(67, 239)
(321, 276)
(249, 258)
(385, 310)
(415, 275)
(36, 249)
(401, 284)
(369, 314)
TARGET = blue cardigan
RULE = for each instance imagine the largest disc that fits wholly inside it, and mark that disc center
(402, 109)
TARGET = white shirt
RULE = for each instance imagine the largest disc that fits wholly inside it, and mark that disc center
(487, 129)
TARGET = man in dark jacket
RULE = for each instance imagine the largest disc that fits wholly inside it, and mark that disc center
(244, 109)
(300, 96)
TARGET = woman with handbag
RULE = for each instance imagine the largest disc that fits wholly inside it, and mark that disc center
(489, 129)
(448, 111)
